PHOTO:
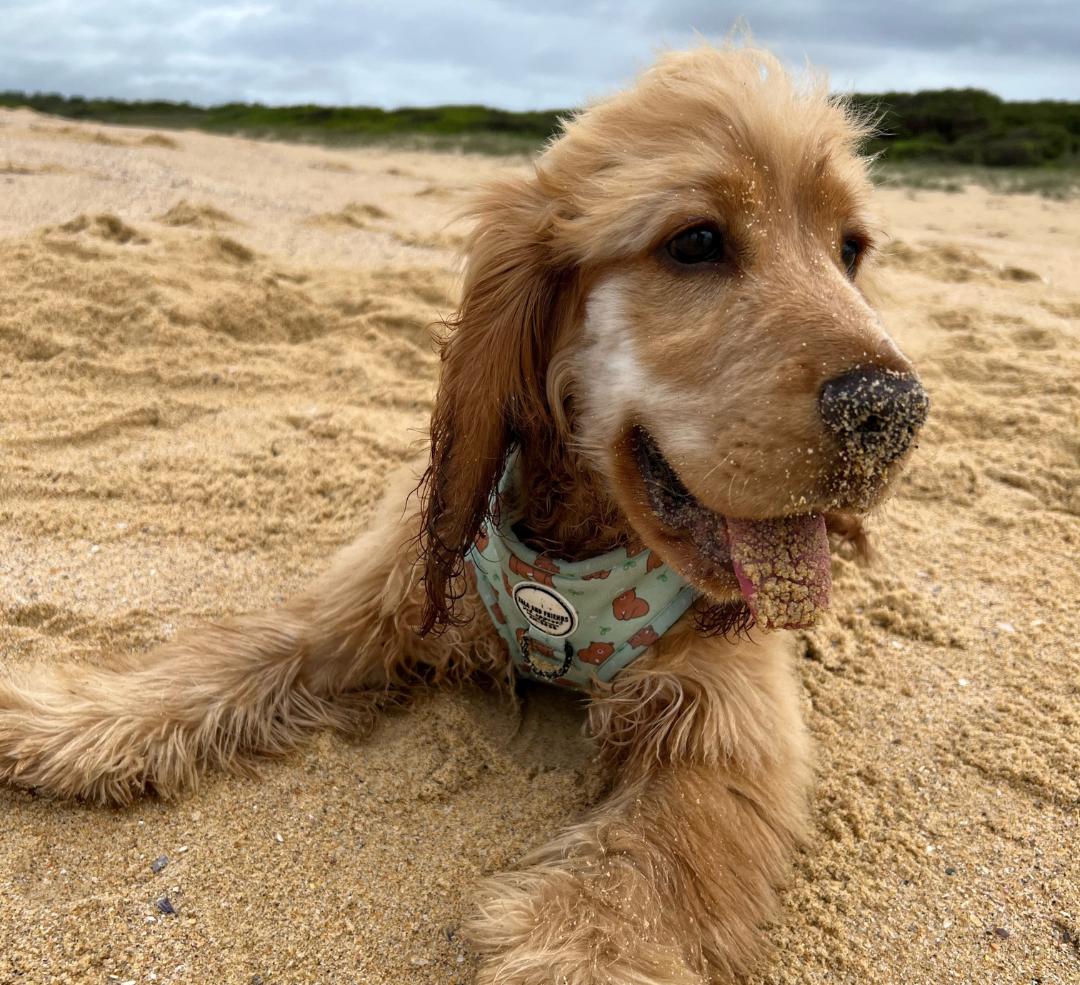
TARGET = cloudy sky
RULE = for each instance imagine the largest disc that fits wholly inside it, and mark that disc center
(519, 54)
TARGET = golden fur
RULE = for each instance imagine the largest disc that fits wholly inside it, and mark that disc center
(575, 328)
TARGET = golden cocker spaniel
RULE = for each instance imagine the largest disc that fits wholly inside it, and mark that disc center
(663, 330)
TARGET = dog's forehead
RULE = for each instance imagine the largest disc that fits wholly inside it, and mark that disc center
(730, 177)
(629, 207)
(629, 170)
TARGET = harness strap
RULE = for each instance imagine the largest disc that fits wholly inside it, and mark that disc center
(571, 622)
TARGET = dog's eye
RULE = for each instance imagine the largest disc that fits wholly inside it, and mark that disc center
(849, 255)
(698, 244)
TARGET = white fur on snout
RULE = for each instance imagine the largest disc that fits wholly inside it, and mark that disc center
(615, 386)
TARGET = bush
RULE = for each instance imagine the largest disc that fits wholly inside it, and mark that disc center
(970, 126)
(961, 126)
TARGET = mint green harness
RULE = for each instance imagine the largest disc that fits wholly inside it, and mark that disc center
(571, 622)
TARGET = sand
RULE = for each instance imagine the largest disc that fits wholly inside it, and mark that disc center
(212, 353)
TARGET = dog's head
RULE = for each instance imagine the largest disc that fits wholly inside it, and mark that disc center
(675, 299)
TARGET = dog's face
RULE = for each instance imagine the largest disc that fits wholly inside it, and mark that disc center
(700, 325)
(727, 364)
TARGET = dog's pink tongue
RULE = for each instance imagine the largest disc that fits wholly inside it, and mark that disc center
(783, 568)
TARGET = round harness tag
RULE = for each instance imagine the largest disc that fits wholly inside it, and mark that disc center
(545, 609)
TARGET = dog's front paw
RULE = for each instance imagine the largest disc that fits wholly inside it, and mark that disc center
(550, 926)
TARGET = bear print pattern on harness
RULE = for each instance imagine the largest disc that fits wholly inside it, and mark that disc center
(571, 623)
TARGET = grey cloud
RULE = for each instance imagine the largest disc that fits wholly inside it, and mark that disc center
(991, 26)
(508, 52)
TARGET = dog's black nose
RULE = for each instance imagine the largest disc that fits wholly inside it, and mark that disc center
(874, 412)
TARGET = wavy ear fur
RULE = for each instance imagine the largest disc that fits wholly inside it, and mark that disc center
(493, 378)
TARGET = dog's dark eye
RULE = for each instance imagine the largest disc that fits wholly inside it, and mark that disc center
(849, 255)
(698, 244)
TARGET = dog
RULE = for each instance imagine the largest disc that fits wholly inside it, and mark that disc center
(664, 344)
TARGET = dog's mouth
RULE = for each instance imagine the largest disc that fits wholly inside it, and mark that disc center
(782, 564)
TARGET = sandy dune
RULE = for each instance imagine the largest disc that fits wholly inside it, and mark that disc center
(212, 353)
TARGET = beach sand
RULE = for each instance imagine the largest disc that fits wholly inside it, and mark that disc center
(214, 351)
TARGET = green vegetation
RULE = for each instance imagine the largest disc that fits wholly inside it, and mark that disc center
(477, 128)
(973, 127)
(934, 128)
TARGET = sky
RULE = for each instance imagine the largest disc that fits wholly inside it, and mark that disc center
(512, 53)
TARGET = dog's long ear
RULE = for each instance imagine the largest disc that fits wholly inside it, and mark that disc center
(492, 382)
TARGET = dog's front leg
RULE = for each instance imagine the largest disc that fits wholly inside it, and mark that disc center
(669, 879)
